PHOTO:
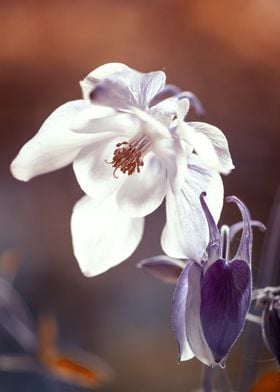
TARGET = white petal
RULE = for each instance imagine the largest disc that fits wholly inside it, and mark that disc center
(211, 145)
(151, 125)
(103, 236)
(167, 148)
(94, 172)
(143, 192)
(173, 157)
(186, 232)
(98, 74)
(100, 119)
(54, 146)
(169, 109)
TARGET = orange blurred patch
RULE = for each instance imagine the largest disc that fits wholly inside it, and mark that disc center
(65, 368)
(73, 371)
(269, 382)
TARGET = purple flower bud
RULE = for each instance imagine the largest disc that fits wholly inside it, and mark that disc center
(225, 299)
(268, 300)
(271, 328)
(212, 297)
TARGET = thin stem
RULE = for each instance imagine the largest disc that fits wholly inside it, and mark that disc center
(225, 381)
(208, 374)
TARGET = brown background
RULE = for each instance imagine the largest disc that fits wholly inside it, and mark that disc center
(228, 54)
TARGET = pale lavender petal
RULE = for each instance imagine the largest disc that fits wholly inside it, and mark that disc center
(225, 300)
(163, 268)
(169, 90)
(179, 311)
(100, 73)
(215, 240)
(113, 94)
(194, 331)
(129, 88)
(244, 251)
(236, 227)
(271, 330)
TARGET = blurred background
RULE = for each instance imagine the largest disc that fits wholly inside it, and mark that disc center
(226, 52)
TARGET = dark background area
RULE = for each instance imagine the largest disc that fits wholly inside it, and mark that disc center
(228, 54)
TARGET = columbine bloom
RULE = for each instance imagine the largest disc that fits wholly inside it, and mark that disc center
(212, 295)
(130, 148)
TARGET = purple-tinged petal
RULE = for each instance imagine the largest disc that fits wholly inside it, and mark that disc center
(169, 90)
(193, 327)
(109, 93)
(236, 227)
(163, 268)
(128, 88)
(98, 74)
(225, 300)
(271, 329)
(179, 311)
(244, 251)
(215, 240)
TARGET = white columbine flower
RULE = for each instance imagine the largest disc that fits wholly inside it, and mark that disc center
(130, 149)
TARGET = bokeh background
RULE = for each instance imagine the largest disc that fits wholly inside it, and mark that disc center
(226, 52)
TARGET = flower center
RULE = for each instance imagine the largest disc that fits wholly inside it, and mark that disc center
(128, 156)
